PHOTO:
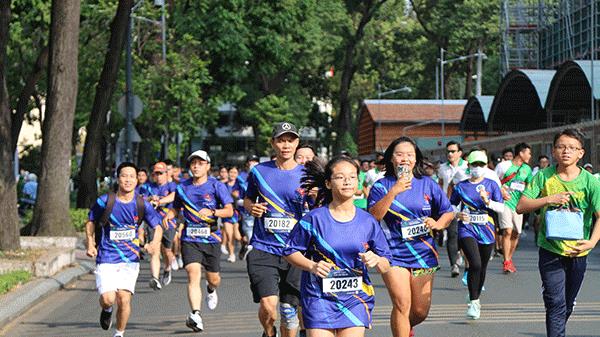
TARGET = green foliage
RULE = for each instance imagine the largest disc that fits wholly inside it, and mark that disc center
(79, 217)
(13, 278)
(31, 157)
(347, 144)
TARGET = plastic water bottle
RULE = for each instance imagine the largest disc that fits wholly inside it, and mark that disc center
(466, 210)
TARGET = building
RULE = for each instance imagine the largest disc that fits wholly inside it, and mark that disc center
(430, 122)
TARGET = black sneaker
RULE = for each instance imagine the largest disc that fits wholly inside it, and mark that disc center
(155, 284)
(105, 319)
(242, 252)
(166, 278)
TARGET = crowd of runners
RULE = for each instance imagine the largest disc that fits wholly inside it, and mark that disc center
(311, 231)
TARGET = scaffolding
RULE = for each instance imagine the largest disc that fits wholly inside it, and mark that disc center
(519, 21)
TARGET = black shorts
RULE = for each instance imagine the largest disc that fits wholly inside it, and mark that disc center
(272, 275)
(207, 254)
(167, 238)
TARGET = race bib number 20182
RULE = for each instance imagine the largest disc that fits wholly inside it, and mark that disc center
(279, 224)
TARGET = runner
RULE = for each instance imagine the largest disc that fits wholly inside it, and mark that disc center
(563, 257)
(514, 175)
(375, 173)
(476, 235)
(455, 166)
(161, 193)
(337, 294)
(231, 226)
(111, 233)
(405, 207)
(275, 198)
(304, 153)
(203, 199)
(247, 221)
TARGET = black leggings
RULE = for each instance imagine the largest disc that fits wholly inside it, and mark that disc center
(478, 257)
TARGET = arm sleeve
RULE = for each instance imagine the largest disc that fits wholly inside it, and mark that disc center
(252, 191)
(177, 202)
(496, 206)
(440, 202)
(455, 197)
(223, 194)
(97, 208)
(151, 217)
(299, 238)
(378, 242)
(376, 194)
(533, 190)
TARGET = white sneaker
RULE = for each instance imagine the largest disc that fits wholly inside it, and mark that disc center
(194, 322)
(174, 265)
(180, 261)
(474, 309)
(231, 258)
(212, 299)
(460, 261)
(224, 250)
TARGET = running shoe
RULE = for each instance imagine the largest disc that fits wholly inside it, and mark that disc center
(508, 267)
(212, 299)
(474, 309)
(180, 261)
(194, 322)
(512, 267)
(412, 333)
(105, 319)
(231, 258)
(460, 260)
(118, 334)
(242, 252)
(224, 250)
(174, 264)
(166, 278)
(455, 271)
(275, 334)
(248, 250)
(155, 284)
(464, 278)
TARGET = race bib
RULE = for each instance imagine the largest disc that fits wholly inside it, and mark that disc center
(413, 229)
(478, 219)
(202, 232)
(517, 186)
(122, 235)
(279, 223)
(341, 281)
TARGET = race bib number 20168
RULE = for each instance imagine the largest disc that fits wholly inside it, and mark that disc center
(198, 232)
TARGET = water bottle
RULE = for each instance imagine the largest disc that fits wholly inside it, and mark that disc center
(466, 210)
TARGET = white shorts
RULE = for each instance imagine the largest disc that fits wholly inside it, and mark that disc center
(116, 276)
(509, 219)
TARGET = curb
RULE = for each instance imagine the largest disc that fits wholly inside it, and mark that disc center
(17, 302)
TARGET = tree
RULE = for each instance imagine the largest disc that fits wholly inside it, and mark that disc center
(51, 216)
(364, 10)
(87, 191)
(9, 226)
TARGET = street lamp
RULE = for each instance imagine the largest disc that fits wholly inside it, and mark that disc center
(480, 56)
(128, 72)
(385, 93)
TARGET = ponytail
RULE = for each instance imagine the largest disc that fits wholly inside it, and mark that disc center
(316, 175)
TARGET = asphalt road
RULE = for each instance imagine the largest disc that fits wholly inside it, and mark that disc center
(511, 306)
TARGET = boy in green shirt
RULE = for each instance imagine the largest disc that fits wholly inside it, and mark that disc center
(562, 263)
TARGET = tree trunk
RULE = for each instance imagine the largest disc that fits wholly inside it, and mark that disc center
(344, 118)
(25, 96)
(51, 213)
(88, 191)
(9, 225)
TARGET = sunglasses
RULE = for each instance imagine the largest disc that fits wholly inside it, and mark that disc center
(157, 173)
(452, 151)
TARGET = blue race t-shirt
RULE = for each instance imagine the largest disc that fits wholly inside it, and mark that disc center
(118, 241)
(161, 191)
(281, 191)
(481, 228)
(213, 194)
(320, 237)
(412, 245)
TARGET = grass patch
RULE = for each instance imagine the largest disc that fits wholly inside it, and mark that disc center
(12, 279)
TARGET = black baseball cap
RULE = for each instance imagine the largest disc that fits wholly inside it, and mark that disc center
(252, 157)
(284, 127)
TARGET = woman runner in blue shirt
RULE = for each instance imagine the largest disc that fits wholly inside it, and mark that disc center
(476, 235)
(335, 244)
(407, 203)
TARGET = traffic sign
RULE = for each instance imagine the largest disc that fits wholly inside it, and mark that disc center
(138, 106)
(135, 136)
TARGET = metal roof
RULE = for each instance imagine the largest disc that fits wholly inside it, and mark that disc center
(476, 113)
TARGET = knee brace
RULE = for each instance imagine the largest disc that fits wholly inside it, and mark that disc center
(289, 315)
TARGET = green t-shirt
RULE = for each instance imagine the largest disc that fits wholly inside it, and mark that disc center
(522, 178)
(587, 198)
(362, 202)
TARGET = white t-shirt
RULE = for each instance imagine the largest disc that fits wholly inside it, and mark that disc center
(372, 176)
(447, 173)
